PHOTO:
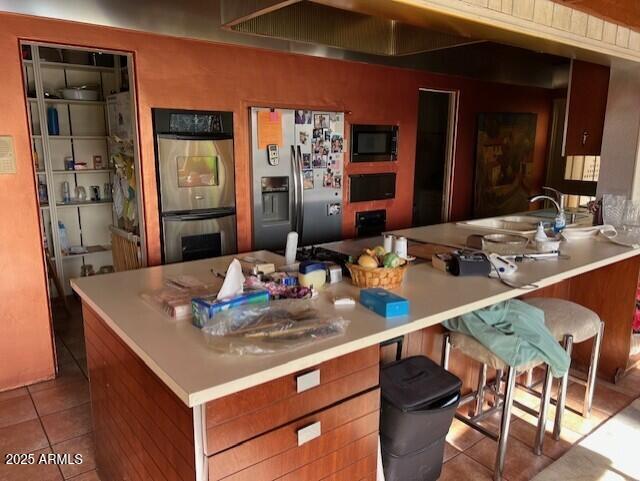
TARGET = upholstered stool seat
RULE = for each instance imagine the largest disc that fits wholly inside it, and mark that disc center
(565, 317)
(473, 349)
(571, 323)
(470, 347)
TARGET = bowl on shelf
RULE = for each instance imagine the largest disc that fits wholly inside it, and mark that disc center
(504, 244)
(79, 93)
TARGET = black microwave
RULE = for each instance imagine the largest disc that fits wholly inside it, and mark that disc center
(374, 143)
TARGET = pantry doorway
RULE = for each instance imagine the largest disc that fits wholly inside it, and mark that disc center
(433, 177)
(82, 123)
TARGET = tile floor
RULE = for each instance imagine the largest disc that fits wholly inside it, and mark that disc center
(52, 416)
(55, 417)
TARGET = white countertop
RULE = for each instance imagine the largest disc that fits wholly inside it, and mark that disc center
(177, 352)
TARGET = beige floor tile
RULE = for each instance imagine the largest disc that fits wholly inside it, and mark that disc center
(63, 397)
(82, 445)
(605, 399)
(31, 472)
(68, 373)
(23, 437)
(520, 462)
(63, 355)
(67, 424)
(525, 430)
(463, 468)
(16, 410)
(449, 452)
(88, 476)
(13, 393)
(462, 436)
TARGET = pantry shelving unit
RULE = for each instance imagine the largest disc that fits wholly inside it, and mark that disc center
(83, 135)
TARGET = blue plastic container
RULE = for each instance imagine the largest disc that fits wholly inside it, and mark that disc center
(383, 302)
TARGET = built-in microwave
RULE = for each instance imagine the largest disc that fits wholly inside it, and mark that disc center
(374, 143)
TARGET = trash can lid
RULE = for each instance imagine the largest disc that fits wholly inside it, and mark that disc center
(416, 382)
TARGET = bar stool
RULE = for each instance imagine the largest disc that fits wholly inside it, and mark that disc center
(570, 324)
(470, 347)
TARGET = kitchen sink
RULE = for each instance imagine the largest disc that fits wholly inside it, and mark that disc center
(550, 215)
(524, 225)
(513, 224)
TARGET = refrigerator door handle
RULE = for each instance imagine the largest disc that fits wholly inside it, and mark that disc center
(296, 200)
(300, 193)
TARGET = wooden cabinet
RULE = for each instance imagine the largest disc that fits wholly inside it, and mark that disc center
(586, 108)
(347, 430)
(254, 411)
(317, 424)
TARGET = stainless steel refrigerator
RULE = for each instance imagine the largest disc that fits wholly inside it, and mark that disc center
(196, 187)
(297, 171)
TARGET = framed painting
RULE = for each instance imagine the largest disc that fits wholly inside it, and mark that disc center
(504, 163)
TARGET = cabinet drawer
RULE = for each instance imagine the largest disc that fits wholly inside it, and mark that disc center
(350, 463)
(364, 469)
(249, 413)
(274, 455)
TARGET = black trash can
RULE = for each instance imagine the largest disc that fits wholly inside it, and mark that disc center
(419, 399)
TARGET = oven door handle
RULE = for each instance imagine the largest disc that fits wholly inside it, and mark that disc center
(202, 138)
(201, 215)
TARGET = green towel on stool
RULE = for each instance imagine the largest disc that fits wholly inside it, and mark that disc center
(515, 332)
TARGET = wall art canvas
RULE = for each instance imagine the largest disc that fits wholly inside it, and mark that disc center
(504, 163)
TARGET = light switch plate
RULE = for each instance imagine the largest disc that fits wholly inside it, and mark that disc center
(7, 155)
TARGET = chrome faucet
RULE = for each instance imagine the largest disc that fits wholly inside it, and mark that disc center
(560, 197)
(546, 197)
(558, 201)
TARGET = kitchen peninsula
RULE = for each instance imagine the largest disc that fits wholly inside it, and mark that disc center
(165, 406)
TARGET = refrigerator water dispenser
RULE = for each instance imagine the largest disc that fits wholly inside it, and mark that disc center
(275, 199)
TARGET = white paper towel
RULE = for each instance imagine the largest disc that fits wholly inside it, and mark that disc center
(233, 281)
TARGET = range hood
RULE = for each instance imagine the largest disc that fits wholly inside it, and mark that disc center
(349, 27)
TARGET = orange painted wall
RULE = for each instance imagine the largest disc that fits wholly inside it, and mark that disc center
(193, 74)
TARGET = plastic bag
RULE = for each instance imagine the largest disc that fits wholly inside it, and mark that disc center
(174, 298)
(270, 328)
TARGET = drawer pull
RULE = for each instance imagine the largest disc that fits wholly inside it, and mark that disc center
(309, 433)
(308, 381)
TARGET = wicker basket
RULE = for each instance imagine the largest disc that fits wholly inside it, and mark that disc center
(385, 277)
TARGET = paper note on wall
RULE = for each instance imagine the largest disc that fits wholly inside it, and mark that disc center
(7, 155)
(269, 128)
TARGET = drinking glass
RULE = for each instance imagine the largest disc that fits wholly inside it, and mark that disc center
(631, 217)
(613, 208)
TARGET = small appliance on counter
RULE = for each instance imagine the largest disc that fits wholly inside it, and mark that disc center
(196, 186)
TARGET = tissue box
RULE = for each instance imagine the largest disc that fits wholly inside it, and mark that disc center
(383, 302)
(204, 308)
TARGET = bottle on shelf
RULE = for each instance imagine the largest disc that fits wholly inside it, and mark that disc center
(64, 240)
(53, 123)
(43, 197)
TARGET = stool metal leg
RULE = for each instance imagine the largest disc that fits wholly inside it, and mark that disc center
(446, 351)
(593, 372)
(562, 390)
(498, 386)
(542, 415)
(482, 382)
(505, 423)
